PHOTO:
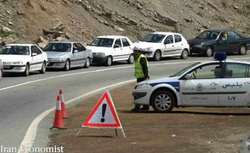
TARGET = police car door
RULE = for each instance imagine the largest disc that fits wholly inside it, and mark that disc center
(200, 86)
(235, 85)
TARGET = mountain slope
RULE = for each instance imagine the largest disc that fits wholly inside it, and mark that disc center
(85, 19)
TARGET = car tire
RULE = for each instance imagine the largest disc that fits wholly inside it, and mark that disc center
(109, 61)
(163, 101)
(67, 65)
(184, 54)
(157, 55)
(27, 70)
(131, 59)
(209, 52)
(43, 68)
(87, 63)
(243, 50)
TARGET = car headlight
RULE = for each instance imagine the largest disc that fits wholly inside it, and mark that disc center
(143, 86)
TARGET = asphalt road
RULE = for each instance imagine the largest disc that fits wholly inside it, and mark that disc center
(23, 98)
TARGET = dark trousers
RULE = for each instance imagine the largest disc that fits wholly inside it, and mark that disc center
(140, 79)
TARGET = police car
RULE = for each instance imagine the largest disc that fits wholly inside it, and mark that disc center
(214, 83)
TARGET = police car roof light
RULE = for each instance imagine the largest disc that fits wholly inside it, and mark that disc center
(220, 56)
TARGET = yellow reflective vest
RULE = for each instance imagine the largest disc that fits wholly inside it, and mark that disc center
(138, 67)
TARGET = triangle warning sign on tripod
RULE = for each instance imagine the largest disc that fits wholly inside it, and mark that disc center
(103, 115)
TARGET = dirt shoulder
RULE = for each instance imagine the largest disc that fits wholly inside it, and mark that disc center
(186, 130)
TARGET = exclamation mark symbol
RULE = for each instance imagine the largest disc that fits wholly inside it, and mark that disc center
(103, 112)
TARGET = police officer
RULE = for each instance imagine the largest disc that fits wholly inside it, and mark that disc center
(141, 66)
(141, 72)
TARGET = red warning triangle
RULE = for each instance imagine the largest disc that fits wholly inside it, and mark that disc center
(103, 114)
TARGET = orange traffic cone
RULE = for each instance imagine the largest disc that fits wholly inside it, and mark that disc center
(64, 109)
(58, 120)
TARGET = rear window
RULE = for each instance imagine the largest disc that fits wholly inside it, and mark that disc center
(234, 70)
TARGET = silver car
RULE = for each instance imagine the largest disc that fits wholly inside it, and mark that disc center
(66, 55)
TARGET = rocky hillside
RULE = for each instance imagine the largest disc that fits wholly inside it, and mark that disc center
(40, 20)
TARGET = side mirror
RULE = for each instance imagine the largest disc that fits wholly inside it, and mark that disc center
(34, 54)
(188, 76)
(117, 46)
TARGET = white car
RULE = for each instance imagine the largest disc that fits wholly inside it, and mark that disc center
(23, 58)
(164, 44)
(213, 83)
(108, 49)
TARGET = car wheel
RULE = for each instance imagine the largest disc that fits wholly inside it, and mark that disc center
(243, 50)
(163, 101)
(184, 54)
(67, 65)
(109, 61)
(157, 56)
(27, 70)
(131, 59)
(87, 63)
(209, 52)
(43, 68)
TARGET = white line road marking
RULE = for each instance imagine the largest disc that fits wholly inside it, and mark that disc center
(101, 70)
(30, 135)
(60, 76)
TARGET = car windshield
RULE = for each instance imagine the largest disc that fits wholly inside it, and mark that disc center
(58, 47)
(209, 35)
(15, 50)
(179, 73)
(154, 38)
(102, 42)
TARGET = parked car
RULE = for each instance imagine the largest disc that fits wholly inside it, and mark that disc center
(164, 44)
(108, 49)
(66, 55)
(212, 83)
(219, 40)
(23, 58)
